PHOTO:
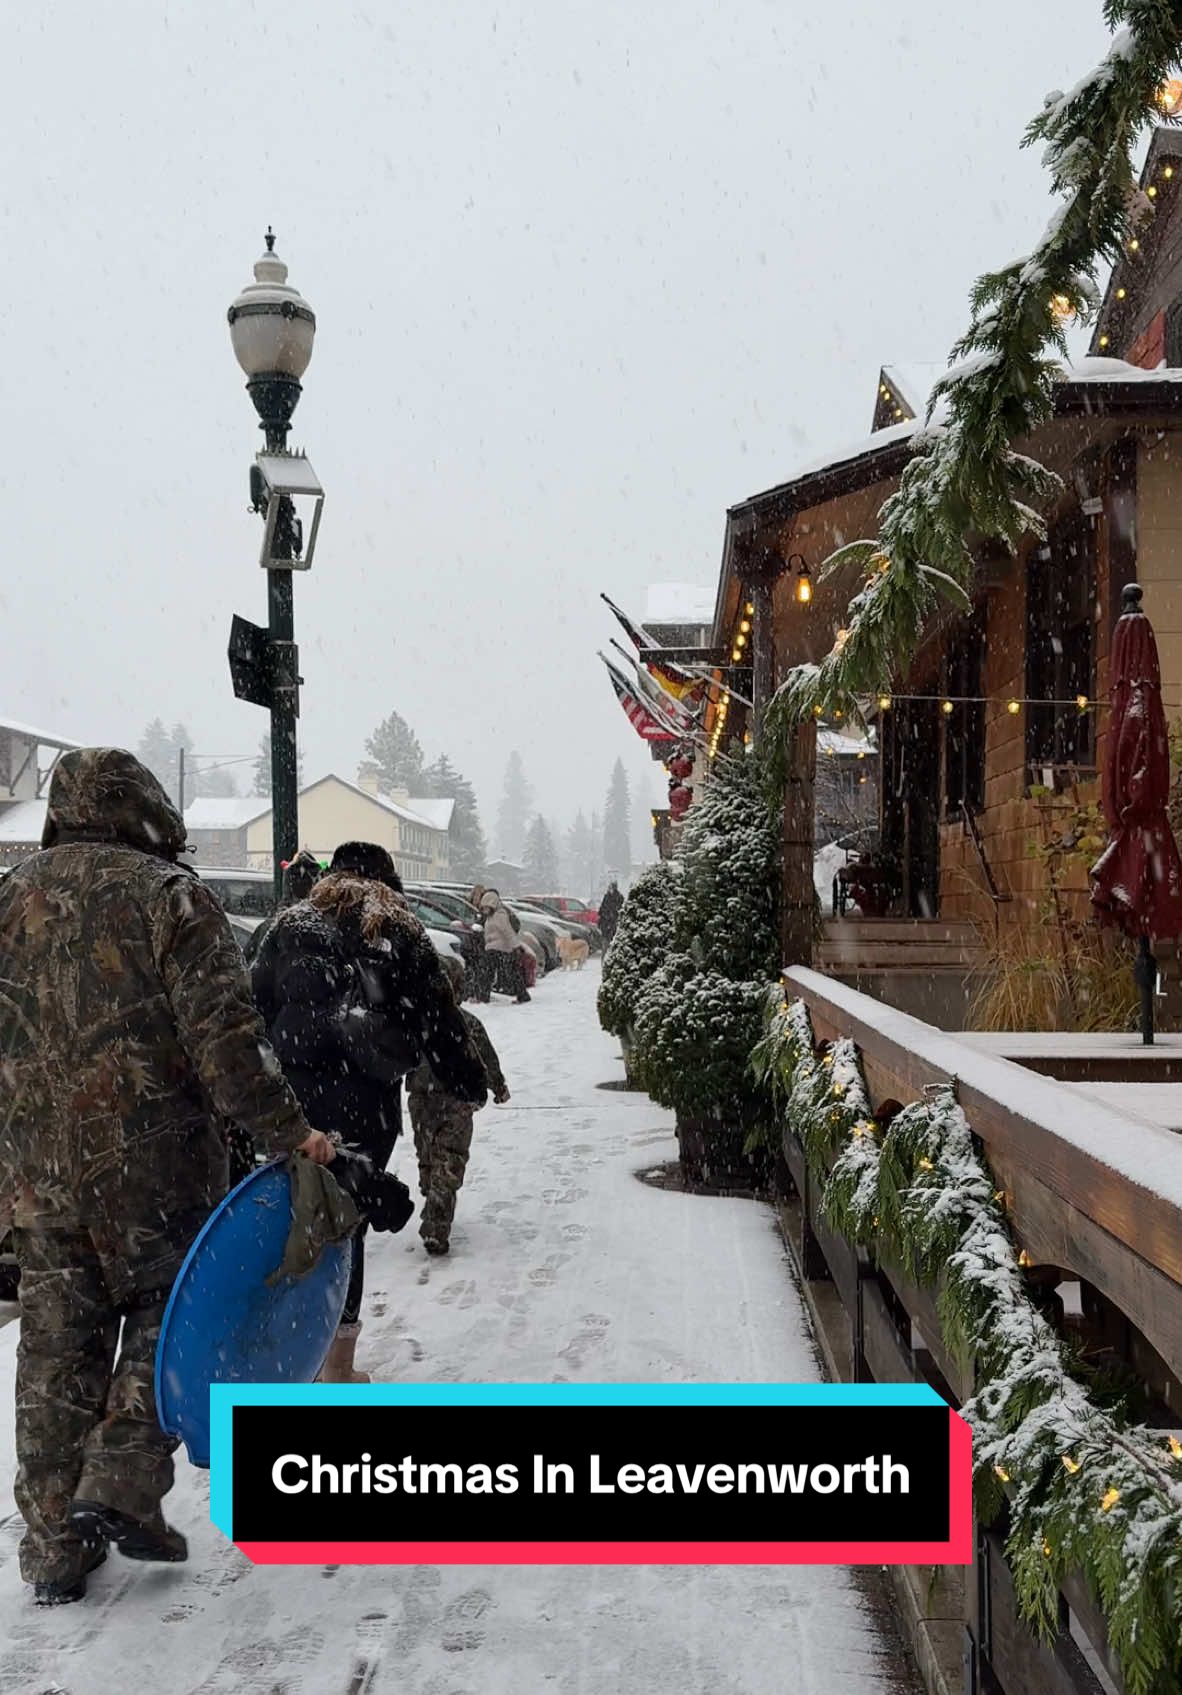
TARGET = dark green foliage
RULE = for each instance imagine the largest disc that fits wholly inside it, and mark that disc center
(698, 1019)
(726, 912)
(641, 945)
(465, 837)
(396, 753)
(694, 1033)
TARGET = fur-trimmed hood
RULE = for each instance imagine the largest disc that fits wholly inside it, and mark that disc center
(376, 909)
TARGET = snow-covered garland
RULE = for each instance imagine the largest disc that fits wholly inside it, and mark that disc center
(1087, 1491)
(967, 478)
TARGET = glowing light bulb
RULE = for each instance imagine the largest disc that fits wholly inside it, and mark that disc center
(884, 703)
(1111, 1497)
(1151, 192)
(1175, 1447)
(745, 626)
(1169, 97)
(1062, 308)
(1013, 707)
(1103, 341)
(1082, 701)
(840, 640)
(804, 589)
(1002, 1473)
(1168, 172)
(1121, 293)
(925, 1164)
(1024, 1258)
(749, 609)
(1134, 245)
(946, 708)
(1070, 1465)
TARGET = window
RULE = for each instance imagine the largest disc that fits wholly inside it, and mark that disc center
(1061, 650)
(964, 726)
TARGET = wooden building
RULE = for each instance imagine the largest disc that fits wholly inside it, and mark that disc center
(965, 783)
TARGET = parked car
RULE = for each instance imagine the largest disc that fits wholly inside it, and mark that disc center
(566, 906)
(244, 893)
(582, 923)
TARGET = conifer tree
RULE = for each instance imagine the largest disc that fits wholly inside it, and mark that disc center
(617, 823)
(397, 753)
(513, 814)
(467, 850)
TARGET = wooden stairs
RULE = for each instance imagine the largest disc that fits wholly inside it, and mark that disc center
(924, 966)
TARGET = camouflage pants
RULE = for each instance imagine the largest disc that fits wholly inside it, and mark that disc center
(85, 1398)
(443, 1139)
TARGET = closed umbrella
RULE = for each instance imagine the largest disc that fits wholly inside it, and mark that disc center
(1137, 881)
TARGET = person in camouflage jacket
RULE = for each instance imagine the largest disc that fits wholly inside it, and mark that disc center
(127, 1030)
(443, 1135)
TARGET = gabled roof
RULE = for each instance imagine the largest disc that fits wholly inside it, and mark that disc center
(224, 812)
(435, 812)
(44, 738)
(679, 603)
(383, 801)
(1129, 305)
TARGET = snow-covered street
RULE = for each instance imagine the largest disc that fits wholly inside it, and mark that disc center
(563, 1268)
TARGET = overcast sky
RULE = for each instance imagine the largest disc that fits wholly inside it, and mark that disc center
(584, 276)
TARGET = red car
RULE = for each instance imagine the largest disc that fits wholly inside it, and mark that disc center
(566, 906)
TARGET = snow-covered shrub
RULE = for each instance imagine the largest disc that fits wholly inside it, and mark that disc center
(640, 946)
(694, 1034)
(698, 1018)
(726, 906)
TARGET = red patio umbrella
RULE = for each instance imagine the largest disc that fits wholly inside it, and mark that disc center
(1137, 881)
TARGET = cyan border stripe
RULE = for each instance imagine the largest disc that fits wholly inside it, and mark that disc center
(224, 1397)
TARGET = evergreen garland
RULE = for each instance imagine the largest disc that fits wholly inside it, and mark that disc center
(1087, 1489)
(967, 477)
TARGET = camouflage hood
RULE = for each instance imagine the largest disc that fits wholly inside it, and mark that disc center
(104, 794)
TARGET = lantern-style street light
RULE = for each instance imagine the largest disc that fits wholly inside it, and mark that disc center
(272, 329)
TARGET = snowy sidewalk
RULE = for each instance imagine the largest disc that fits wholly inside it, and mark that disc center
(563, 1268)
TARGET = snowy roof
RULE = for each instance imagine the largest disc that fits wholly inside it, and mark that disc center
(436, 813)
(849, 747)
(23, 822)
(224, 812)
(45, 738)
(679, 603)
(914, 382)
(1081, 372)
(407, 812)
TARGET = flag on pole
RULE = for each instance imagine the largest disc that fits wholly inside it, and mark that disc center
(672, 678)
(679, 713)
(648, 726)
(636, 633)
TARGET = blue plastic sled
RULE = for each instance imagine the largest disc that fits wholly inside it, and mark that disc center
(224, 1324)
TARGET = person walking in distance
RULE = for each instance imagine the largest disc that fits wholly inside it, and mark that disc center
(355, 997)
(610, 908)
(501, 943)
(126, 1029)
(443, 1136)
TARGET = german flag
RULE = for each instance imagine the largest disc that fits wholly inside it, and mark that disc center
(672, 679)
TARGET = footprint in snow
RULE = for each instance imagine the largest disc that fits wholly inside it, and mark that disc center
(463, 1295)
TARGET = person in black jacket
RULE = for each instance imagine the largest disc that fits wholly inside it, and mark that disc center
(610, 908)
(354, 997)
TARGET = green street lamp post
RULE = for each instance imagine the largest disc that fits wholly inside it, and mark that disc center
(272, 328)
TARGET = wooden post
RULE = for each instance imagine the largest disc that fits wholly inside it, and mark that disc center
(797, 901)
(763, 651)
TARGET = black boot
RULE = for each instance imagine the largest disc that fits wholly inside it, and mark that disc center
(62, 1593)
(134, 1539)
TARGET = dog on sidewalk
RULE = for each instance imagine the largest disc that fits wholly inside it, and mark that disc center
(572, 951)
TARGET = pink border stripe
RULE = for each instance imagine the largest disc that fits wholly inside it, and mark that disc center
(601, 1553)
